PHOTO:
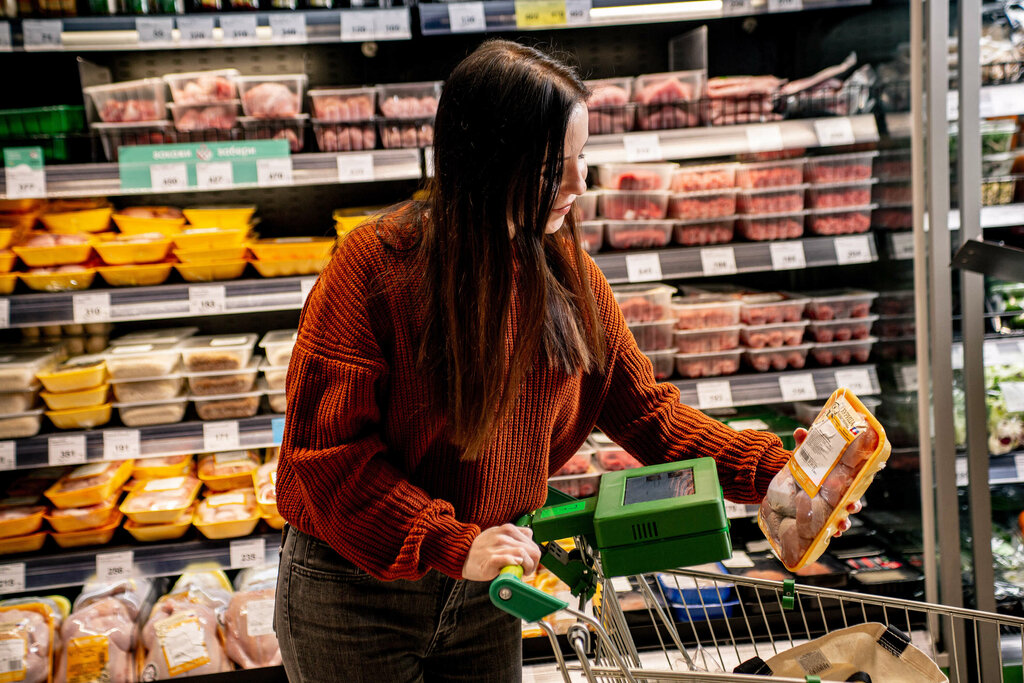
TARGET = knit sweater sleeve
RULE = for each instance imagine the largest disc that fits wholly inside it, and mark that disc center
(649, 421)
(335, 480)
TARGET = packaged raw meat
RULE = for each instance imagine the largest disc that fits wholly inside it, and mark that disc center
(840, 330)
(893, 192)
(18, 401)
(689, 206)
(343, 104)
(638, 234)
(643, 303)
(217, 352)
(264, 481)
(292, 129)
(701, 312)
(229, 406)
(895, 327)
(839, 168)
(895, 302)
(782, 173)
(668, 100)
(20, 520)
(181, 639)
(19, 367)
(27, 633)
(159, 501)
(653, 336)
(99, 641)
(741, 99)
(586, 203)
(163, 466)
(274, 376)
(272, 97)
(277, 344)
(778, 226)
(156, 389)
(278, 401)
(591, 236)
(101, 535)
(806, 412)
(840, 195)
(193, 117)
(345, 137)
(771, 200)
(227, 515)
(579, 463)
(704, 231)
(610, 455)
(633, 205)
(763, 360)
(704, 177)
(637, 177)
(129, 101)
(89, 484)
(80, 418)
(229, 470)
(20, 425)
(219, 382)
(833, 467)
(409, 100)
(144, 360)
(839, 303)
(707, 340)
(843, 352)
(203, 87)
(577, 485)
(662, 362)
(116, 135)
(249, 629)
(609, 106)
(773, 335)
(169, 335)
(406, 133)
(158, 412)
(893, 217)
(893, 165)
(839, 221)
(713, 364)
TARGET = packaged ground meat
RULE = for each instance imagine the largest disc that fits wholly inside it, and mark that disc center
(771, 200)
(704, 231)
(653, 336)
(707, 340)
(635, 176)
(782, 358)
(639, 234)
(688, 206)
(840, 195)
(579, 463)
(609, 107)
(610, 455)
(844, 352)
(771, 226)
(706, 177)
(714, 364)
(630, 205)
(662, 363)
(700, 312)
(773, 335)
(838, 168)
(839, 221)
(591, 236)
(834, 466)
(644, 303)
(826, 331)
(770, 174)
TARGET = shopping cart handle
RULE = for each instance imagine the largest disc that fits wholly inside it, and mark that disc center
(508, 592)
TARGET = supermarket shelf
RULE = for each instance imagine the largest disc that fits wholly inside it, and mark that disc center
(1002, 469)
(262, 431)
(1004, 350)
(769, 387)
(900, 244)
(711, 141)
(86, 180)
(995, 100)
(751, 257)
(500, 15)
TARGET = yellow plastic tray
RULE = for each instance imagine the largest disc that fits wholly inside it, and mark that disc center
(274, 521)
(7, 282)
(20, 205)
(7, 234)
(190, 256)
(70, 222)
(292, 248)
(220, 216)
(147, 469)
(21, 222)
(148, 533)
(87, 517)
(208, 272)
(23, 544)
(80, 418)
(92, 495)
(145, 275)
(76, 400)
(7, 259)
(59, 282)
(138, 225)
(233, 529)
(158, 516)
(73, 378)
(48, 257)
(286, 268)
(98, 536)
(210, 238)
(23, 525)
(122, 253)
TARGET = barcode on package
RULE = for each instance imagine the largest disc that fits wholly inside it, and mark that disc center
(813, 662)
(822, 448)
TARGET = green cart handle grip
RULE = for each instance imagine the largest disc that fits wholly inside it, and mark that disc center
(509, 593)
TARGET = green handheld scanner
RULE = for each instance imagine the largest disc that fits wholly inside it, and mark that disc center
(641, 520)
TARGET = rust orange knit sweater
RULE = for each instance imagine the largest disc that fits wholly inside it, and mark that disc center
(366, 467)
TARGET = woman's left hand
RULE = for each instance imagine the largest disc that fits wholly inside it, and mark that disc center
(853, 508)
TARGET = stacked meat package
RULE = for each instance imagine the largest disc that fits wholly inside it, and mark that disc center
(633, 204)
(580, 476)
(30, 637)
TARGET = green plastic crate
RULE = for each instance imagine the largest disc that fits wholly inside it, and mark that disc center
(59, 120)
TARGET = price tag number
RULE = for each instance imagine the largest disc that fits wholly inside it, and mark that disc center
(467, 17)
(853, 249)
(168, 177)
(220, 436)
(42, 33)
(113, 566)
(642, 147)
(12, 577)
(798, 387)
(643, 267)
(737, 7)
(714, 394)
(249, 553)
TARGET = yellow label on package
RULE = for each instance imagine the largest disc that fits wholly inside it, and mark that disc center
(13, 648)
(826, 440)
(184, 647)
(533, 13)
(87, 659)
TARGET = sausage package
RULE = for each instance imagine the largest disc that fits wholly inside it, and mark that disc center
(832, 468)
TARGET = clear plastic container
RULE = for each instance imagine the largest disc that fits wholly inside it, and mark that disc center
(69, 400)
(129, 101)
(350, 136)
(715, 364)
(343, 104)
(228, 407)
(839, 221)
(893, 165)
(773, 335)
(997, 164)
(219, 382)
(146, 413)
(707, 340)
(840, 330)
(90, 484)
(134, 361)
(701, 232)
(893, 217)
(117, 135)
(587, 204)
(18, 401)
(998, 191)
(640, 234)
(271, 97)
(76, 374)
(227, 515)
(893, 192)
(668, 100)
(591, 236)
(703, 178)
(201, 87)
(611, 456)
(278, 401)
(80, 418)
(635, 177)
(168, 335)
(292, 129)
(275, 375)
(843, 352)
(782, 173)
(278, 344)
(146, 390)
(409, 100)
(626, 205)
(406, 133)
(840, 195)
(643, 303)
(87, 517)
(783, 226)
(609, 107)
(839, 168)
(839, 303)
(218, 352)
(691, 206)
(210, 116)
(18, 369)
(663, 362)
(771, 200)
(99, 536)
(700, 313)
(653, 336)
(787, 357)
(20, 425)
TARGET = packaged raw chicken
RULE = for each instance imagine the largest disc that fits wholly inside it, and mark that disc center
(159, 501)
(27, 642)
(164, 466)
(98, 643)
(227, 470)
(834, 466)
(18, 518)
(81, 518)
(89, 484)
(227, 515)
(181, 639)
(265, 484)
(249, 629)
(611, 456)
(271, 97)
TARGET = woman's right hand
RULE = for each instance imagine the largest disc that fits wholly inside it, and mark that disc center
(499, 547)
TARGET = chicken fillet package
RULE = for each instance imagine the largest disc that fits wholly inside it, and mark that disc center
(832, 468)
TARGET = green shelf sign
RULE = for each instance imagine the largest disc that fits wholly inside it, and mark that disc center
(205, 165)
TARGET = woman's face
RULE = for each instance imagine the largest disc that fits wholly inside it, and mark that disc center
(574, 168)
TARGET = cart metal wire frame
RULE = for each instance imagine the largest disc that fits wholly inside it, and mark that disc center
(764, 618)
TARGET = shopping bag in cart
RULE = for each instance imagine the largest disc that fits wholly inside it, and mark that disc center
(883, 653)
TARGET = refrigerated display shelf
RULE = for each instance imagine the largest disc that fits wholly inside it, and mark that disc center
(994, 100)
(1002, 469)
(88, 180)
(777, 387)
(900, 244)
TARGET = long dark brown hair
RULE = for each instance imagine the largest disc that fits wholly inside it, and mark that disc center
(498, 156)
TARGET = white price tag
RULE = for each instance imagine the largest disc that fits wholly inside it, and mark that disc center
(6, 44)
(1018, 465)
(643, 267)
(957, 361)
(467, 17)
(8, 460)
(714, 394)
(155, 29)
(12, 577)
(91, 308)
(238, 28)
(305, 287)
(908, 377)
(857, 380)
(66, 450)
(25, 183)
(391, 24)
(577, 12)
(288, 26)
(765, 137)
(248, 553)
(785, 5)
(195, 29)
(355, 168)
(642, 147)
(961, 472)
(220, 436)
(276, 171)
(206, 299)
(357, 26)
(834, 132)
(952, 105)
(732, 8)
(42, 34)
(1013, 396)
(902, 245)
(115, 566)
(428, 161)
(853, 249)
(718, 261)
(168, 177)
(215, 175)
(5, 313)
(799, 387)
(787, 255)
(121, 444)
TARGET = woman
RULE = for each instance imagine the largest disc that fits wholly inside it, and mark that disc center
(451, 357)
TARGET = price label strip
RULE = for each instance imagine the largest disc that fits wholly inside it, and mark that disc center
(12, 577)
(718, 261)
(288, 26)
(168, 177)
(577, 12)
(8, 457)
(857, 380)
(853, 249)
(785, 5)
(642, 147)
(961, 472)
(834, 132)
(42, 34)
(902, 245)
(270, 172)
(357, 26)
(6, 44)
(764, 138)
(539, 13)
(248, 553)
(714, 394)
(908, 375)
(238, 28)
(195, 29)
(220, 436)
(115, 566)
(90, 308)
(392, 24)
(5, 312)
(467, 17)
(798, 387)
(66, 450)
(355, 168)
(24, 173)
(733, 8)
(155, 30)
(787, 255)
(217, 175)
(121, 444)
(207, 299)
(643, 267)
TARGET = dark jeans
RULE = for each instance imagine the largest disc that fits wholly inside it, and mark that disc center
(337, 624)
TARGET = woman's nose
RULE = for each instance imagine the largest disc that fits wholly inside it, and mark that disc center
(577, 179)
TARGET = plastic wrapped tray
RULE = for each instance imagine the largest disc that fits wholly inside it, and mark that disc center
(639, 234)
(117, 135)
(826, 331)
(202, 87)
(292, 129)
(783, 358)
(693, 206)
(271, 97)
(771, 226)
(704, 177)
(843, 352)
(668, 100)
(715, 364)
(343, 104)
(630, 205)
(839, 303)
(641, 303)
(839, 168)
(704, 231)
(228, 407)
(773, 335)
(782, 173)
(609, 107)
(219, 382)
(773, 200)
(217, 352)
(128, 101)
(144, 360)
(635, 177)
(839, 221)
(840, 195)
(707, 340)
(699, 313)
(207, 116)
(278, 344)
(146, 413)
(345, 136)
(653, 336)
